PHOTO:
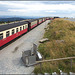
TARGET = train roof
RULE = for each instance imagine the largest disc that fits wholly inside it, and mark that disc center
(31, 20)
(11, 25)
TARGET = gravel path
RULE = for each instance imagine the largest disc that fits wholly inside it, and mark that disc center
(10, 56)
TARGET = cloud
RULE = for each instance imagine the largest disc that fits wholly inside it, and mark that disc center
(17, 10)
(36, 7)
(45, 7)
(50, 11)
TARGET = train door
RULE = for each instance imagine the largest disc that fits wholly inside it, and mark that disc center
(1, 39)
(37, 22)
(29, 24)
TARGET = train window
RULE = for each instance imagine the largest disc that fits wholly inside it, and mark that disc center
(1, 36)
(20, 28)
(23, 27)
(16, 29)
(7, 33)
(13, 31)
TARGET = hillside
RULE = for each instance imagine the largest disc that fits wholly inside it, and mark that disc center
(12, 19)
(61, 35)
(16, 18)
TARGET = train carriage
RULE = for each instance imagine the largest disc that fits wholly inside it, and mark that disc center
(48, 18)
(9, 32)
(43, 19)
(52, 18)
(32, 23)
(40, 20)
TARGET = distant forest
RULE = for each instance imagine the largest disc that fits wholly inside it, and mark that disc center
(7, 20)
(11, 19)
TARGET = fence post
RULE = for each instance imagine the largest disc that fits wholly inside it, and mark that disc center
(40, 66)
(71, 63)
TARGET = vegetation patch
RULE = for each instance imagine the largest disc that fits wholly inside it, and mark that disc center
(61, 35)
(73, 28)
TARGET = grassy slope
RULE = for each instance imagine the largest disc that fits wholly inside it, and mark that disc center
(57, 30)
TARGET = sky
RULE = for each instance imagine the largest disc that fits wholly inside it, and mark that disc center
(37, 8)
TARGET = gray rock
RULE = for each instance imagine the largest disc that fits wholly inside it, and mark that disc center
(71, 73)
(63, 73)
(40, 74)
(46, 74)
(54, 73)
(43, 40)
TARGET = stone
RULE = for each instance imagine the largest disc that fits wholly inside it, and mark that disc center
(54, 73)
(43, 40)
(71, 73)
(46, 74)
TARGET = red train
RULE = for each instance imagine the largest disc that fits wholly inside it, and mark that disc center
(11, 31)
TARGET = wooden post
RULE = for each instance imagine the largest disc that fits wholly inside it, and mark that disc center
(71, 64)
(40, 66)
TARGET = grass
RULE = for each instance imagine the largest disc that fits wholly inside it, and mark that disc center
(61, 34)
